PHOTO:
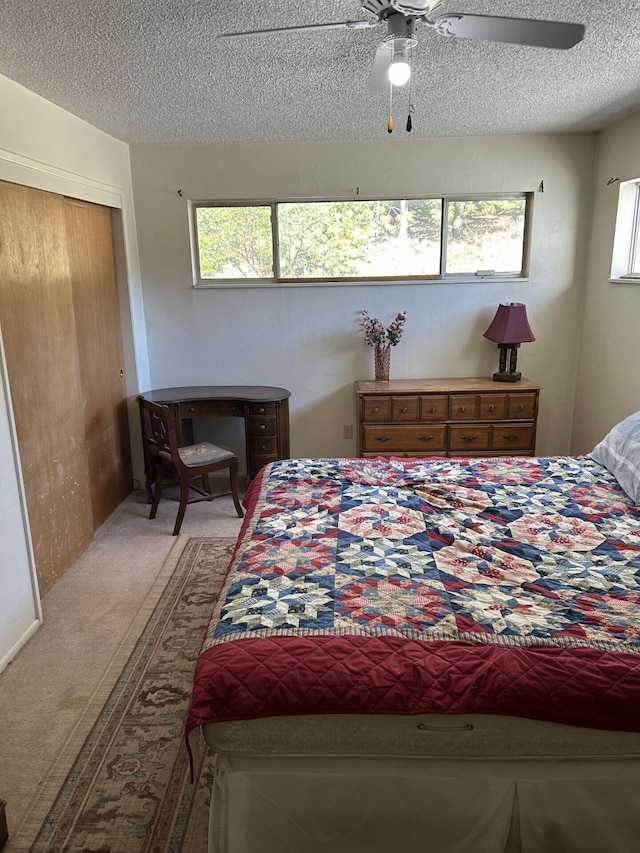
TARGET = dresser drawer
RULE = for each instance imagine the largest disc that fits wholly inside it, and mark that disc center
(513, 437)
(434, 408)
(463, 407)
(493, 407)
(376, 409)
(390, 439)
(470, 437)
(404, 409)
(522, 406)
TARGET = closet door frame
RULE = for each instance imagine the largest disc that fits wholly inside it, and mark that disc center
(18, 169)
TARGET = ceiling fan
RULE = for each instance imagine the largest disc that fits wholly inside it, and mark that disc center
(392, 66)
(401, 17)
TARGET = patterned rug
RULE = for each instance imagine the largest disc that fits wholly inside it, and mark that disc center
(128, 790)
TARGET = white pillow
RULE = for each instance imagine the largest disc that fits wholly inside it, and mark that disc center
(619, 452)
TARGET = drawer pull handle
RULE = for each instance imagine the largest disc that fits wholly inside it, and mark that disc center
(425, 438)
(492, 408)
(434, 409)
(463, 408)
(191, 409)
(383, 438)
(263, 426)
(404, 410)
(376, 410)
(469, 437)
(261, 410)
(521, 407)
(512, 437)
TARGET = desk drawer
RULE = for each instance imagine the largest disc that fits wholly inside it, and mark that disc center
(263, 445)
(267, 410)
(422, 438)
(211, 408)
(262, 426)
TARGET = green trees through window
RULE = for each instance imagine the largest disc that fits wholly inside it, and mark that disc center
(293, 242)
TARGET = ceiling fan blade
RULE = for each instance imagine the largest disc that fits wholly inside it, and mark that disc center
(379, 76)
(513, 30)
(346, 25)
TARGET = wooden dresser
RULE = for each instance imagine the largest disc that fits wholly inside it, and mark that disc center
(447, 417)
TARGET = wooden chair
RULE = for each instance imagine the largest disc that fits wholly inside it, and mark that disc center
(183, 463)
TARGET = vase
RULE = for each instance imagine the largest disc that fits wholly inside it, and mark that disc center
(382, 361)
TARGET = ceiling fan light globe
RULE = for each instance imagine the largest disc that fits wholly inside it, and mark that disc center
(399, 72)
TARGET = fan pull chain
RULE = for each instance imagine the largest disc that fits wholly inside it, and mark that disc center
(409, 121)
(390, 122)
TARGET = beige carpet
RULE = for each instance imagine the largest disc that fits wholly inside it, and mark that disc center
(54, 691)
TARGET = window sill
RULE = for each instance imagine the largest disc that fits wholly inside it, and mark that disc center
(625, 279)
(463, 279)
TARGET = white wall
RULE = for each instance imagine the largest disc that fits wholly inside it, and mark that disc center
(308, 339)
(45, 147)
(608, 386)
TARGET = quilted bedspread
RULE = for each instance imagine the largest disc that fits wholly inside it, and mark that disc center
(505, 586)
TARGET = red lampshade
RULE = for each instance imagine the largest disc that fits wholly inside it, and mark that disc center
(510, 325)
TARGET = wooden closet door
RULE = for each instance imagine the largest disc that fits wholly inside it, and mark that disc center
(39, 334)
(95, 302)
(61, 332)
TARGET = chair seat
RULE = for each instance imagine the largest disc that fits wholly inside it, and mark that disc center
(201, 453)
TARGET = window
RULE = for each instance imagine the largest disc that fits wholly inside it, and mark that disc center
(626, 246)
(358, 241)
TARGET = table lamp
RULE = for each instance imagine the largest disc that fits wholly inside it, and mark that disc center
(509, 328)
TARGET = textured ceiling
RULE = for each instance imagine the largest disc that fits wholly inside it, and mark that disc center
(151, 71)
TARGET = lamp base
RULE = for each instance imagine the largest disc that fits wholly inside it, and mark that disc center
(507, 377)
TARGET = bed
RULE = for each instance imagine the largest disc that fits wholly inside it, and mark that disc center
(427, 655)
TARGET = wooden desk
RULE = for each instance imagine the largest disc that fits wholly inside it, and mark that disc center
(265, 411)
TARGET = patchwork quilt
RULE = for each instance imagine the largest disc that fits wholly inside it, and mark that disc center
(505, 585)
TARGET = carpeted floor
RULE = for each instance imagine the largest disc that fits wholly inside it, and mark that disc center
(54, 691)
(128, 789)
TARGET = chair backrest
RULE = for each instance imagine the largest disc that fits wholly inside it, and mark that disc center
(159, 429)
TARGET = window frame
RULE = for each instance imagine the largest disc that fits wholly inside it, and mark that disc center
(626, 243)
(277, 280)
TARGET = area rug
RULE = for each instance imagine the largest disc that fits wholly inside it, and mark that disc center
(129, 789)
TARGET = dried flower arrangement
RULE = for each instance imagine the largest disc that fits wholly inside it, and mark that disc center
(375, 335)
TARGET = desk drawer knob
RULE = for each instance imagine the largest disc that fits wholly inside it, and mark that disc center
(425, 438)
(376, 410)
(405, 410)
(463, 409)
(261, 410)
(492, 408)
(263, 427)
(469, 437)
(383, 438)
(191, 409)
(434, 409)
